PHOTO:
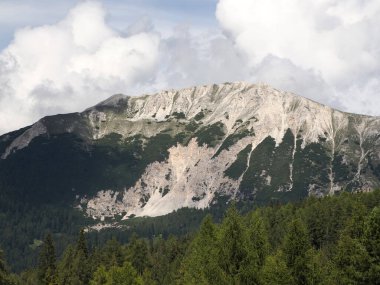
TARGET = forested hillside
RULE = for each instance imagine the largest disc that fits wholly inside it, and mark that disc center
(331, 240)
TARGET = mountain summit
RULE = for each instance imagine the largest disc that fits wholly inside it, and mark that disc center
(152, 154)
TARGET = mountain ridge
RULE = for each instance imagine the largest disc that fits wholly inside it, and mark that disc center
(231, 139)
(114, 99)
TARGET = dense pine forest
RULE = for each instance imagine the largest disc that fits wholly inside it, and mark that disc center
(331, 240)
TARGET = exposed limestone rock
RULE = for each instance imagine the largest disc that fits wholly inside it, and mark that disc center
(104, 204)
(24, 139)
(193, 175)
(187, 178)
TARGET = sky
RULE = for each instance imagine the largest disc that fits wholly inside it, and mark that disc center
(66, 55)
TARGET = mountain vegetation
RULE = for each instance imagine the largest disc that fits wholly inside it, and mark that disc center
(137, 155)
(330, 240)
(117, 193)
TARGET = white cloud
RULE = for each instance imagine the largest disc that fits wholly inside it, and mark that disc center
(192, 59)
(81, 60)
(327, 50)
(283, 74)
(363, 99)
(336, 42)
(70, 65)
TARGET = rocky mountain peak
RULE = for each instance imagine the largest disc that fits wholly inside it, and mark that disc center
(153, 154)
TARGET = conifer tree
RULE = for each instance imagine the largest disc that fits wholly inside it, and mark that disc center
(296, 245)
(318, 269)
(138, 253)
(275, 271)
(113, 253)
(257, 249)
(2, 262)
(117, 275)
(147, 278)
(82, 244)
(67, 273)
(47, 262)
(125, 275)
(232, 251)
(352, 261)
(75, 267)
(200, 265)
(81, 261)
(100, 276)
(5, 278)
(372, 244)
(372, 234)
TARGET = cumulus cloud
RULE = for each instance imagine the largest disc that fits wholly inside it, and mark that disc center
(328, 45)
(363, 99)
(285, 75)
(192, 59)
(70, 65)
(81, 60)
(326, 50)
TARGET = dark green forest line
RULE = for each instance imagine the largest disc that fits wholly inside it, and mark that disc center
(24, 227)
(331, 240)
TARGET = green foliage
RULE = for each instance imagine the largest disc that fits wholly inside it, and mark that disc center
(47, 262)
(233, 138)
(372, 244)
(236, 169)
(100, 276)
(116, 275)
(258, 241)
(319, 268)
(260, 161)
(22, 225)
(273, 176)
(199, 116)
(210, 135)
(341, 170)
(322, 229)
(3, 267)
(5, 277)
(372, 234)
(295, 248)
(191, 126)
(80, 167)
(178, 115)
(66, 267)
(280, 168)
(75, 266)
(200, 265)
(137, 253)
(42, 200)
(277, 244)
(352, 261)
(257, 247)
(274, 169)
(275, 271)
(38, 203)
(112, 254)
(82, 244)
(233, 253)
(310, 166)
(164, 191)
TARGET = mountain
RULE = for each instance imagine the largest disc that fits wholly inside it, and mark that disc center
(195, 147)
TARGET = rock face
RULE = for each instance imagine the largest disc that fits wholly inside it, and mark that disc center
(150, 155)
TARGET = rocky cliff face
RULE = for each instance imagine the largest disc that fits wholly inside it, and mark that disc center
(150, 155)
